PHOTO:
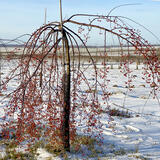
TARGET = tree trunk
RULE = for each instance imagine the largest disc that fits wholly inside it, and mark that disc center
(66, 95)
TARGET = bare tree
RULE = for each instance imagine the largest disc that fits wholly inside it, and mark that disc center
(49, 96)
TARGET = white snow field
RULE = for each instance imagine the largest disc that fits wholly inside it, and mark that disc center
(136, 137)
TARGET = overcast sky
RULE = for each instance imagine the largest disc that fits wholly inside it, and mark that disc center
(24, 16)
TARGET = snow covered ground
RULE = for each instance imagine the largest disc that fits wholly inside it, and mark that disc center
(137, 137)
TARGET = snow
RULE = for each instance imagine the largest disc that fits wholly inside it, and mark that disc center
(44, 155)
(138, 136)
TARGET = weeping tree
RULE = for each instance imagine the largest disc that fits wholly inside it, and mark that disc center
(55, 96)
